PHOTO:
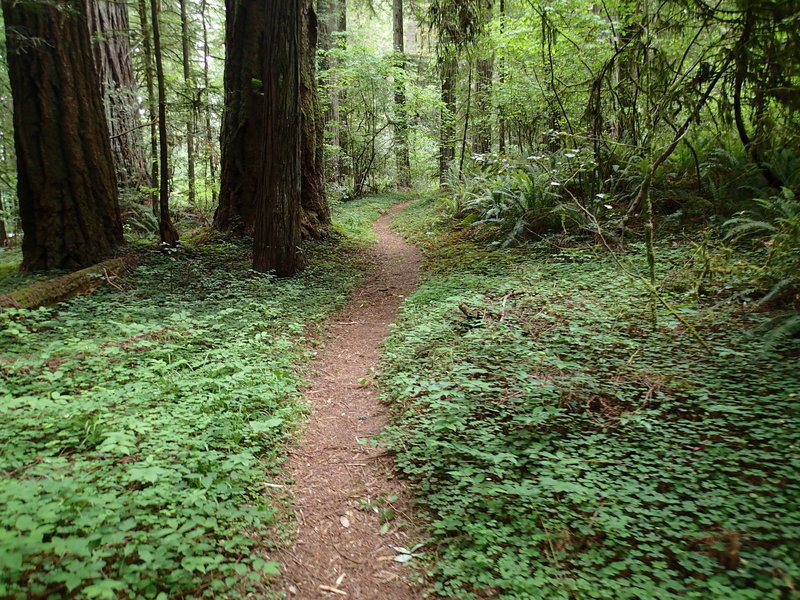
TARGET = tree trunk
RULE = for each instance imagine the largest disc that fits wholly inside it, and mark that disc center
(152, 109)
(501, 117)
(166, 231)
(3, 232)
(191, 90)
(328, 25)
(316, 214)
(447, 142)
(211, 182)
(109, 27)
(751, 146)
(243, 119)
(401, 116)
(338, 97)
(483, 91)
(66, 184)
(277, 224)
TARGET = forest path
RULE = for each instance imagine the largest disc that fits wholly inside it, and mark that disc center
(338, 551)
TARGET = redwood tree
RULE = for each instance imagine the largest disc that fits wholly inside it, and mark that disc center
(316, 213)
(243, 119)
(261, 139)
(66, 184)
(110, 30)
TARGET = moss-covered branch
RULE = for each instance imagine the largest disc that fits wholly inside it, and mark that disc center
(52, 291)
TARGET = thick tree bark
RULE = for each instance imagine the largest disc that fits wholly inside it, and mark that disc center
(110, 30)
(243, 119)
(316, 216)
(66, 183)
(447, 141)
(166, 230)
(276, 243)
(401, 117)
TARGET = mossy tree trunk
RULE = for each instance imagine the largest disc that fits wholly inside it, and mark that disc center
(447, 141)
(483, 93)
(66, 183)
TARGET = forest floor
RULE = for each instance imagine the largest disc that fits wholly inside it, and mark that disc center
(351, 511)
(557, 443)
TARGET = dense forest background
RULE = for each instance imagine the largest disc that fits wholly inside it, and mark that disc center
(537, 117)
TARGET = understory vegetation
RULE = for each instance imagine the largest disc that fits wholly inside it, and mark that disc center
(138, 424)
(565, 446)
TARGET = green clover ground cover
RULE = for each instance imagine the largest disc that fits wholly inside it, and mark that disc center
(137, 426)
(566, 450)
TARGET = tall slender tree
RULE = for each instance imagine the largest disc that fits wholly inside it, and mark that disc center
(166, 230)
(447, 133)
(401, 116)
(210, 143)
(191, 93)
(66, 183)
(458, 23)
(152, 106)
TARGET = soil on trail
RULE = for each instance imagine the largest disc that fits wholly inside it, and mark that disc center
(338, 550)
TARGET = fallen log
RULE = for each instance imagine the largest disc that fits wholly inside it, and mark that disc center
(53, 291)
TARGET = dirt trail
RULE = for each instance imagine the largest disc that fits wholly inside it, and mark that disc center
(338, 545)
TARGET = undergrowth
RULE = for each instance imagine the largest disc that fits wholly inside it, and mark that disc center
(566, 449)
(138, 425)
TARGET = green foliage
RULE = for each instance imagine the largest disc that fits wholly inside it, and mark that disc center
(354, 218)
(519, 199)
(137, 426)
(565, 449)
(774, 226)
(10, 276)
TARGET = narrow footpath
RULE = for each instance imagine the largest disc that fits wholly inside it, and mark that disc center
(339, 482)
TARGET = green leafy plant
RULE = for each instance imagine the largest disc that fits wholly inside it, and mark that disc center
(138, 424)
(563, 449)
(774, 225)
